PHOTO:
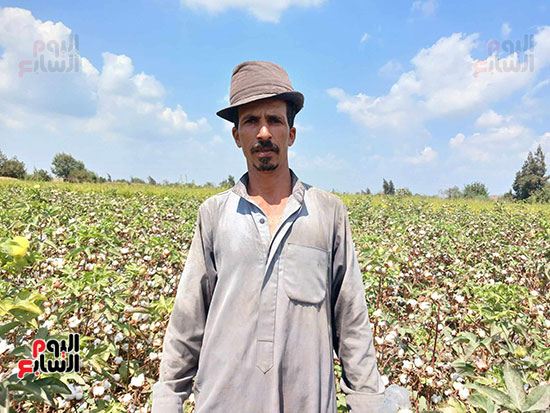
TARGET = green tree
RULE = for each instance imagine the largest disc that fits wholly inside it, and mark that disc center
(476, 190)
(403, 192)
(151, 181)
(81, 175)
(63, 164)
(135, 180)
(387, 187)
(3, 158)
(13, 168)
(531, 176)
(229, 182)
(40, 175)
(452, 192)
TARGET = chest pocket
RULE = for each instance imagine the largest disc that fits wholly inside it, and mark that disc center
(305, 273)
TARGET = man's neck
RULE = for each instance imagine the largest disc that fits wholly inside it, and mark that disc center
(271, 186)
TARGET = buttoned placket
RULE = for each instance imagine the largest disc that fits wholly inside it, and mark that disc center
(265, 333)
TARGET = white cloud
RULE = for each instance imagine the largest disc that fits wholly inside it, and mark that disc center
(365, 37)
(493, 146)
(270, 11)
(112, 104)
(446, 81)
(505, 30)
(392, 68)
(426, 7)
(327, 162)
(427, 155)
(489, 119)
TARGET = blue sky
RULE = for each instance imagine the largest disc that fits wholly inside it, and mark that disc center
(391, 89)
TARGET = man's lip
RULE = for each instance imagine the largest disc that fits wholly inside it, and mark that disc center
(265, 151)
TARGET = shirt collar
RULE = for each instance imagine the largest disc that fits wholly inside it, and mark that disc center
(298, 189)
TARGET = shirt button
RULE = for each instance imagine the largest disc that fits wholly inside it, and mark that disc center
(262, 220)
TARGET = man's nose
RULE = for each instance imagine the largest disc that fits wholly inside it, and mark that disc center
(264, 132)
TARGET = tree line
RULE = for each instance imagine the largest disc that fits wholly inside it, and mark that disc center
(530, 183)
(68, 169)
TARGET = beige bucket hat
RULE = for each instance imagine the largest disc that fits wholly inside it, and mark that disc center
(256, 80)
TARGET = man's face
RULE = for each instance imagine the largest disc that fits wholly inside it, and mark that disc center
(264, 134)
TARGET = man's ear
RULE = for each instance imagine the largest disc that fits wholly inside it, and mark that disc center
(235, 133)
(291, 136)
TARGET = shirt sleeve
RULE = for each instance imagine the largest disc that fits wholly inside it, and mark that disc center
(183, 337)
(352, 334)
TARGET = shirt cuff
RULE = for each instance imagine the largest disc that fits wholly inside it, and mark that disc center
(365, 402)
(165, 401)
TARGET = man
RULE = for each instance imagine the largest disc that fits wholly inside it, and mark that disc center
(271, 284)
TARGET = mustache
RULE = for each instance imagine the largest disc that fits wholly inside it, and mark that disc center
(262, 146)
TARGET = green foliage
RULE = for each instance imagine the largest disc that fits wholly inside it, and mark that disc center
(453, 192)
(513, 397)
(388, 188)
(106, 259)
(403, 192)
(530, 178)
(13, 168)
(63, 164)
(541, 196)
(81, 175)
(134, 180)
(3, 158)
(228, 183)
(475, 190)
(40, 175)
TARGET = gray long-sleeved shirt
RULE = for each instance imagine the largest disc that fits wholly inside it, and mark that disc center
(256, 318)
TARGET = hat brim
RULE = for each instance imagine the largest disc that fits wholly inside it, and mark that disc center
(231, 113)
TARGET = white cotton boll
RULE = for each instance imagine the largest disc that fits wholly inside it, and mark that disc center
(107, 398)
(107, 385)
(459, 298)
(377, 313)
(119, 337)
(137, 381)
(153, 356)
(436, 296)
(424, 305)
(79, 395)
(429, 371)
(403, 378)
(98, 390)
(124, 347)
(463, 393)
(418, 362)
(458, 385)
(116, 376)
(436, 398)
(407, 365)
(74, 322)
(118, 360)
(126, 399)
(385, 380)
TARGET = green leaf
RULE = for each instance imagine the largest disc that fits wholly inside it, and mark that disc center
(498, 396)
(6, 328)
(538, 399)
(514, 385)
(479, 400)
